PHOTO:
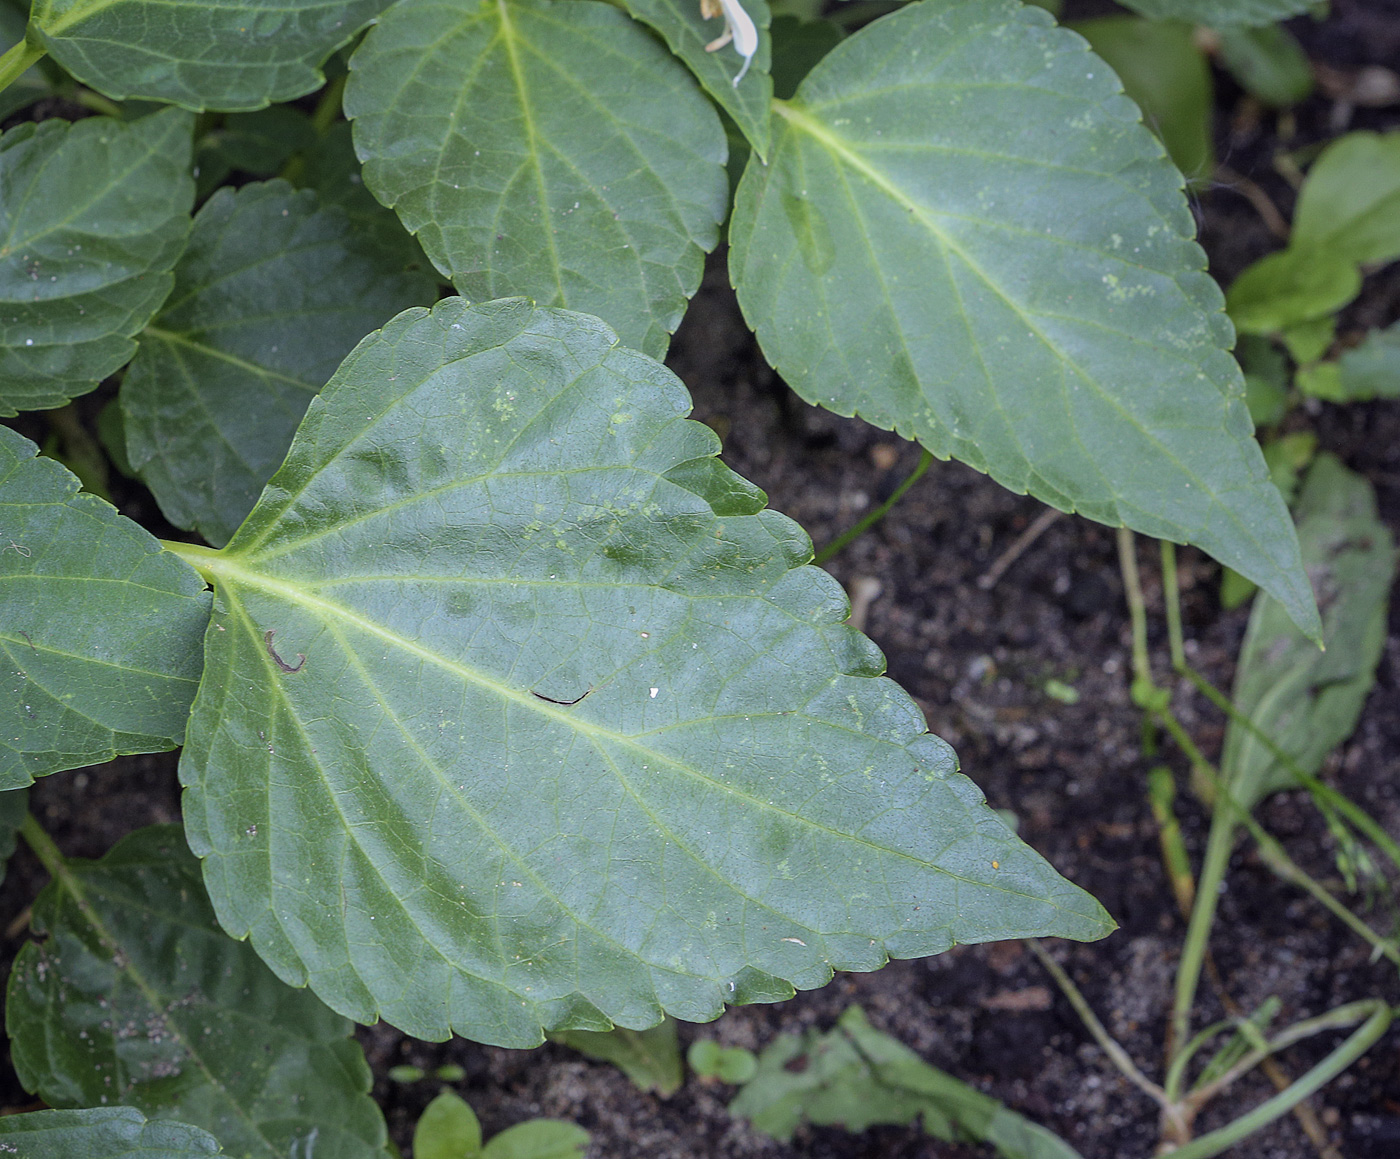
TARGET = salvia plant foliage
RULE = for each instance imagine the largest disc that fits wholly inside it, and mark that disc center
(506, 707)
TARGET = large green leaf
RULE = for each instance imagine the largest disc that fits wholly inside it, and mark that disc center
(14, 806)
(552, 149)
(1307, 701)
(1221, 13)
(1349, 206)
(857, 1077)
(242, 54)
(688, 33)
(99, 628)
(511, 667)
(135, 995)
(270, 295)
(101, 1133)
(965, 234)
(92, 217)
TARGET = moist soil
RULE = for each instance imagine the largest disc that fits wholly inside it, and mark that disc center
(977, 658)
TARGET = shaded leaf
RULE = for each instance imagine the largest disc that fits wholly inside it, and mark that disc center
(99, 628)
(270, 295)
(34, 82)
(538, 1139)
(1308, 701)
(447, 1129)
(1372, 370)
(856, 1077)
(1003, 269)
(687, 33)
(549, 149)
(14, 805)
(650, 1058)
(1167, 75)
(798, 47)
(1290, 286)
(101, 1133)
(258, 143)
(137, 996)
(1220, 13)
(94, 215)
(242, 54)
(1349, 206)
(1268, 62)
(551, 703)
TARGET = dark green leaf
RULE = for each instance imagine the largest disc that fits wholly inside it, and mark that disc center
(508, 662)
(1167, 75)
(1308, 701)
(135, 995)
(798, 46)
(270, 295)
(243, 54)
(856, 1077)
(1268, 62)
(542, 148)
(99, 628)
(1221, 13)
(1349, 206)
(688, 33)
(650, 1058)
(964, 234)
(1372, 370)
(538, 1139)
(94, 214)
(1291, 286)
(101, 1133)
(258, 143)
(34, 82)
(447, 1129)
(14, 805)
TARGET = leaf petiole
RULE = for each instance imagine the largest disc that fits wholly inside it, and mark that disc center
(15, 62)
(851, 534)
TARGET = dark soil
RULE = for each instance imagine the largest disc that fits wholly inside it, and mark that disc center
(977, 661)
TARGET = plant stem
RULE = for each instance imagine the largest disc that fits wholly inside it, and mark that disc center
(194, 554)
(44, 848)
(1137, 606)
(846, 538)
(328, 107)
(1171, 596)
(15, 63)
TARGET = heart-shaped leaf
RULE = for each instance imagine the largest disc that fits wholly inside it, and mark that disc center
(135, 995)
(238, 54)
(270, 295)
(964, 234)
(99, 628)
(543, 148)
(93, 216)
(520, 712)
(101, 1133)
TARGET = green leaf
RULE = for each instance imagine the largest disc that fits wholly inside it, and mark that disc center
(538, 1139)
(549, 149)
(856, 1077)
(650, 1058)
(135, 995)
(1268, 62)
(508, 662)
(1349, 206)
(243, 54)
(998, 262)
(258, 143)
(730, 1064)
(99, 628)
(1290, 286)
(1310, 340)
(687, 33)
(1221, 13)
(101, 1133)
(1308, 701)
(94, 215)
(447, 1129)
(270, 295)
(1167, 75)
(1372, 370)
(14, 806)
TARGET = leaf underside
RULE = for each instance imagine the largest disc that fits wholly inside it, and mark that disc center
(93, 216)
(1004, 270)
(554, 150)
(1221, 13)
(99, 628)
(101, 1133)
(136, 995)
(239, 54)
(269, 296)
(521, 713)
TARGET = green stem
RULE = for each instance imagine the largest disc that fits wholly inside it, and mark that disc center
(1171, 595)
(1177, 1072)
(1137, 607)
(328, 107)
(195, 554)
(1324, 1072)
(44, 849)
(95, 101)
(16, 62)
(846, 538)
